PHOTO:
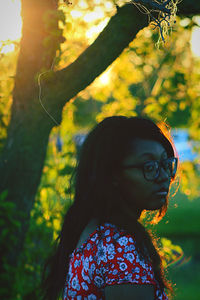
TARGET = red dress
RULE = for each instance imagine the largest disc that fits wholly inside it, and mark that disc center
(107, 257)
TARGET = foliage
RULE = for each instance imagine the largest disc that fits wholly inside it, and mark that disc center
(141, 81)
(182, 218)
(7, 75)
(171, 253)
(7, 216)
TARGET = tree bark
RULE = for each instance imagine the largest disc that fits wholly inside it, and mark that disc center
(23, 156)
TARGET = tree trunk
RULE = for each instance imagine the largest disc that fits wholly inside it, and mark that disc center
(24, 153)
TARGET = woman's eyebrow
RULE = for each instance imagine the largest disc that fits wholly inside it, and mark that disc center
(152, 155)
(148, 154)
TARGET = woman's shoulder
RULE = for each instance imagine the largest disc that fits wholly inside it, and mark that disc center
(112, 233)
(105, 237)
(109, 256)
(106, 233)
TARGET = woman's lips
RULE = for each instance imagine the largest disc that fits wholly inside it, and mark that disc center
(162, 193)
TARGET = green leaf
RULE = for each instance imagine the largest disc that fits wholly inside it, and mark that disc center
(3, 195)
(67, 170)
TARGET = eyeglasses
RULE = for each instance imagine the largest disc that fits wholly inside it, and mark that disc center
(151, 169)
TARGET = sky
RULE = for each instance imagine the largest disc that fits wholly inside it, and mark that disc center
(10, 20)
(10, 23)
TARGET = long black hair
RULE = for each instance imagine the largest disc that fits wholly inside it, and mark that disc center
(96, 197)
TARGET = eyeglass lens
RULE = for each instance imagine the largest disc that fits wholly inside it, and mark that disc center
(151, 169)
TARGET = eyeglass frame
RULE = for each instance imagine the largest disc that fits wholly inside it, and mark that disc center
(159, 163)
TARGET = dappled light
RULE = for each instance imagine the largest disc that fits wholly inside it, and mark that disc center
(10, 24)
(195, 41)
(161, 83)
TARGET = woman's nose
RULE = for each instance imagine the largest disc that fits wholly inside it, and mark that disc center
(163, 175)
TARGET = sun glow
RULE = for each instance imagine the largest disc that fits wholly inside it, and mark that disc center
(76, 14)
(93, 16)
(94, 30)
(10, 24)
(105, 77)
(195, 41)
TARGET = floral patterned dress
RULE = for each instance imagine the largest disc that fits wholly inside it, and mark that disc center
(107, 257)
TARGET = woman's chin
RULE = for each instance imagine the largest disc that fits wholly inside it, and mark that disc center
(157, 203)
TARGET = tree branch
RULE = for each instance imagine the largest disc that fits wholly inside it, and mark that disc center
(188, 8)
(120, 31)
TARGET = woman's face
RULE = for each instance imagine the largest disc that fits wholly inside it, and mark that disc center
(138, 193)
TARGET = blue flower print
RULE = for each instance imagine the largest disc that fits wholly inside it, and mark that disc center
(88, 246)
(90, 258)
(84, 286)
(137, 259)
(116, 235)
(144, 272)
(120, 258)
(93, 267)
(122, 266)
(85, 277)
(94, 237)
(108, 239)
(98, 281)
(127, 249)
(137, 270)
(90, 273)
(70, 274)
(111, 249)
(98, 272)
(130, 240)
(130, 257)
(123, 241)
(128, 277)
(143, 264)
(92, 297)
(101, 253)
(72, 293)
(151, 275)
(131, 247)
(110, 257)
(144, 278)
(75, 283)
(115, 272)
(77, 263)
(86, 264)
(107, 232)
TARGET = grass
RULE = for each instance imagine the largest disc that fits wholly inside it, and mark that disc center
(182, 226)
(182, 218)
(186, 278)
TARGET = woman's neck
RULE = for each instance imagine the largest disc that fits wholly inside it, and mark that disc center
(124, 211)
(124, 217)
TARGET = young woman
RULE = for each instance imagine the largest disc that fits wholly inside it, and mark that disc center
(126, 166)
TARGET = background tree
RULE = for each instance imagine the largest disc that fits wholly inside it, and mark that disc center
(22, 157)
